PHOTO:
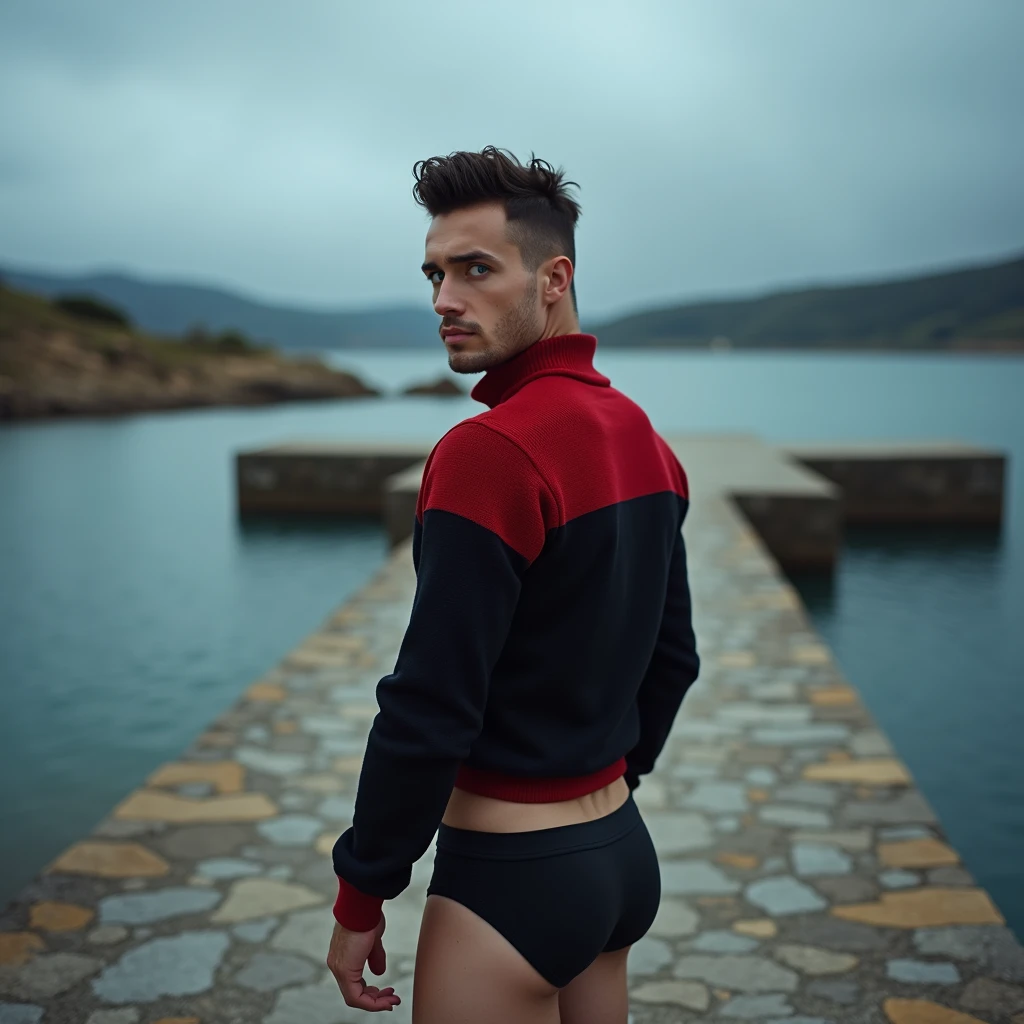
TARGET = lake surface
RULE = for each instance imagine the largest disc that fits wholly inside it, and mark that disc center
(135, 605)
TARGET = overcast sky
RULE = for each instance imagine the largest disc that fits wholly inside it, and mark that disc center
(721, 146)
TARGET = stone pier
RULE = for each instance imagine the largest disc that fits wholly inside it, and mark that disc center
(805, 878)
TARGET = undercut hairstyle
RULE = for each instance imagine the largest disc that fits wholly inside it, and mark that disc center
(541, 213)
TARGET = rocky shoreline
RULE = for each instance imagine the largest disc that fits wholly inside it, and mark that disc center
(56, 365)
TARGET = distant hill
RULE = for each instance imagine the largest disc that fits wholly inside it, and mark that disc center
(975, 308)
(172, 309)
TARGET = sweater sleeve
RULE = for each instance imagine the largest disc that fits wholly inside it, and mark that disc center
(481, 519)
(672, 670)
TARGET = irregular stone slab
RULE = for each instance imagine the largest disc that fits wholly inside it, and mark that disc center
(199, 842)
(811, 960)
(110, 860)
(691, 994)
(737, 973)
(814, 793)
(678, 833)
(853, 840)
(811, 860)
(783, 895)
(270, 762)
(723, 797)
(160, 905)
(755, 1007)
(309, 932)
(920, 1011)
(793, 817)
(267, 972)
(155, 805)
(758, 928)
(737, 659)
(224, 776)
(648, 956)
(291, 829)
(180, 965)
(924, 908)
(322, 782)
(994, 997)
(723, 942)
(263, 897)
(994, 947)
(743, 861)
(321, 1003)
(228, 867)
(20, 1013)
(833, 696)
(695, 877)
(47, 975)
(126, 1016)
(17, 948)
(59, 917)
(951, 876)
(691, 772)
(831, 933)
(908, 806)
(107, 935)
(879, 771)
(847, 888)
(761, 777)
(815, 734)
(923, 972)
(674, 919)
(266, 692)
(917, 853)
(897, 879)
(337, 808)
(255, 931)
(845, 993)
(753, 713)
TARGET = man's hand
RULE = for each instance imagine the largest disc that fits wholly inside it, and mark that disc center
(350, 952)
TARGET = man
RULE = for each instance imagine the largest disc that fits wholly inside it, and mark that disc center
(548, 649)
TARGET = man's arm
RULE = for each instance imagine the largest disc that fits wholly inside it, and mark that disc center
(481, 520)
(672, 670)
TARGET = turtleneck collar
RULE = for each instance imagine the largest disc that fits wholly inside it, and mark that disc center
(568, 355)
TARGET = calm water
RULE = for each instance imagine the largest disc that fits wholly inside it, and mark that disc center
(135, 605)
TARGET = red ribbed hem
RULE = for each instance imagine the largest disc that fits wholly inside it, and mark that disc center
(535, 791)
(355, 910)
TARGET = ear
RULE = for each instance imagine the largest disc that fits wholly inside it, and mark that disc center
(556, 277)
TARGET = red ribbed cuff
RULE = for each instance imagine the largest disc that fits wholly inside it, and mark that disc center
(535, 791)
(355, 910)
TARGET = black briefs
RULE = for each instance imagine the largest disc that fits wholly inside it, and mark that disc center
(559, 895)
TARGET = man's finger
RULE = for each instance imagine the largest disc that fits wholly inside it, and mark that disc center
(357, 994)
(377, 960)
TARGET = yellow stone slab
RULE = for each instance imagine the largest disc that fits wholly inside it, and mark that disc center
(758, 796)
(270, 692)
(743, 861)
(323, 782)
(921, 1011)
(924, 908)
(347, 765)
(759, 928)
(110, 860)
(17, 948)
(153, 805)
(875, 771)
(325, 843)
(737, 659)
(833, 696)
(917, 853)
(286, 728)
(224, 776)
(302, 658)
(336, 642)
(51, 916)
(810, 654)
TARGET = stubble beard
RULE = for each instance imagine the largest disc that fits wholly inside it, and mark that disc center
(515, 331)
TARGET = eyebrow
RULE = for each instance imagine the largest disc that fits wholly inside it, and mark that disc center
(474, 256)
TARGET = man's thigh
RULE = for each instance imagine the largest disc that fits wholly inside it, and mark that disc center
(467, 972)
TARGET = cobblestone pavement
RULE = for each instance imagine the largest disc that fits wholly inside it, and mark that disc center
(804, 877)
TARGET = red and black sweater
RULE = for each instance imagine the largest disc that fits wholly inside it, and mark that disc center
(550, 640)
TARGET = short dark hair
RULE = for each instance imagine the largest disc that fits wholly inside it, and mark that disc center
(541, 213)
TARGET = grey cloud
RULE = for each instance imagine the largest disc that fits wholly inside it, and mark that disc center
(719, 147)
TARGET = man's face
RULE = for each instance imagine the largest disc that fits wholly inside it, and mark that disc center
(482, 291)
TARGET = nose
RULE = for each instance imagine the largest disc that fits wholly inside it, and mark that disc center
(447, 302)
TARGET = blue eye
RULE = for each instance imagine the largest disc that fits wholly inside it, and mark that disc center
(482, 267)
(430, 276)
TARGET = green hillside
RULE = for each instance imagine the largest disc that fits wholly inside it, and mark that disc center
(977, 309)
